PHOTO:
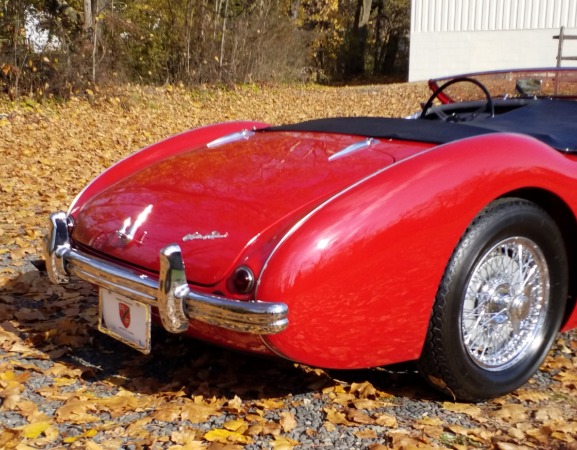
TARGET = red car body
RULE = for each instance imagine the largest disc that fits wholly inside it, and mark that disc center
(350, 233)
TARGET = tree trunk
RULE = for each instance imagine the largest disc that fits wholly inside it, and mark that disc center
(355, 55)
(87, 15)
(390, 55)
(95, 29)
(222, 39)
(188, 35)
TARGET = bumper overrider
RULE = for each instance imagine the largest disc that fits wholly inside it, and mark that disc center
(170, 293)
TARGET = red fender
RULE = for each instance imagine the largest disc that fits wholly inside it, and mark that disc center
(360, 273)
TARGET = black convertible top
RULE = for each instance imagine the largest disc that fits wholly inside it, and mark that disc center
(551, 121)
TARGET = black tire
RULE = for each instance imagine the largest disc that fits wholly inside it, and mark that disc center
(489, 330)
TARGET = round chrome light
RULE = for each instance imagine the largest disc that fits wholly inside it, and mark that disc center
(242, 280)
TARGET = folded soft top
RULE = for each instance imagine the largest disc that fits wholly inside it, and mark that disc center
(551, 121)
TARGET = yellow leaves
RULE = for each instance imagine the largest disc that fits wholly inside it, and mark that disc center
(355, 417)
(41, 433)
(359, 417)
(402, 439)
(546, 413)
(10, 388)
(87, 434)
(336, 417)
(363, 390)
(63, 370)
(225, 436)
(169, 413)
(60, 382)
(357, 401)
(47, 155)
(7, 376)
(119, 404)
(528, 395)
(516, 433)
(283, 443)
(287, 421)
(83, 408)
(567, 378)
(9, 438)
(511, 413)
(565, 432)
(77, 410)
(263, 428)
(238, 426)
(33, 430)
(360, 395)
(365, 403)
(366, 434)
(235, 405)
(186, 440)
(196, 410)
(11, 399)
(269, 404)
(465, 408)
(430, 426)
(386, 420)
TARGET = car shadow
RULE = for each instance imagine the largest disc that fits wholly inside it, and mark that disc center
(60, 322)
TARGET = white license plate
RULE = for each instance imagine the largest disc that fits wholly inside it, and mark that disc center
(124, 319)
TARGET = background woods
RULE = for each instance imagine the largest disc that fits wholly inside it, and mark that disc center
(60, 46)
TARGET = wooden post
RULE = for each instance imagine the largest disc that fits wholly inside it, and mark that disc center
(561, 38)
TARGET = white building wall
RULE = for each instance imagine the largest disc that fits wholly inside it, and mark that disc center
(459, 36)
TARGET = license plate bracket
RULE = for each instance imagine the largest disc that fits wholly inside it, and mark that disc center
(124, 319)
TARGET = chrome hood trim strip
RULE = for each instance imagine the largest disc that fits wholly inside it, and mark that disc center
(353, 148)
(243, 135)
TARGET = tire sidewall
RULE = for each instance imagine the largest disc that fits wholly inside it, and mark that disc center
(527, 221)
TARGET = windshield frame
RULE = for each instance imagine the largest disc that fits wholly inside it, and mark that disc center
(556, 82)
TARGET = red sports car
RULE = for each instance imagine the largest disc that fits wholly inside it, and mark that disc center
(448, 237)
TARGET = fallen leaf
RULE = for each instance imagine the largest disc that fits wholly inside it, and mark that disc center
(511, 413)
(287, 421)
(354, 415)
(337, 417)
(224, 436)
(366, 434)
(386, 420)
(34, 430)
(464, 408)
(283, 443)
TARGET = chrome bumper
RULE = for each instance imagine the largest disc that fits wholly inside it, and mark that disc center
(176, 303)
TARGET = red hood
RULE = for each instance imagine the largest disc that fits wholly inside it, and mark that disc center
(213, 201)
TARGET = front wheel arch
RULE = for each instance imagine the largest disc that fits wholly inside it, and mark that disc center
(567, 223)
(453, 358)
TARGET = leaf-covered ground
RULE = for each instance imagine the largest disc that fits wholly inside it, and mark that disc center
(64, 385)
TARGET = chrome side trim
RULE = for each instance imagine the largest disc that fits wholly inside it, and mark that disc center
(171, 294)
(233, 137)
(353, 148)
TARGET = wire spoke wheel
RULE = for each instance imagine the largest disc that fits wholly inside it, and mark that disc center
(504, 300)
(500, 302)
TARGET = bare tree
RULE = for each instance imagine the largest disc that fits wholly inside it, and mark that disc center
(87, 15)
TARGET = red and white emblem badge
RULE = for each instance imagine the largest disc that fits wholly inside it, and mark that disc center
(124, 313)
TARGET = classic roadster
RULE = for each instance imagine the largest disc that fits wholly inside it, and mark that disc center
(448, 237)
